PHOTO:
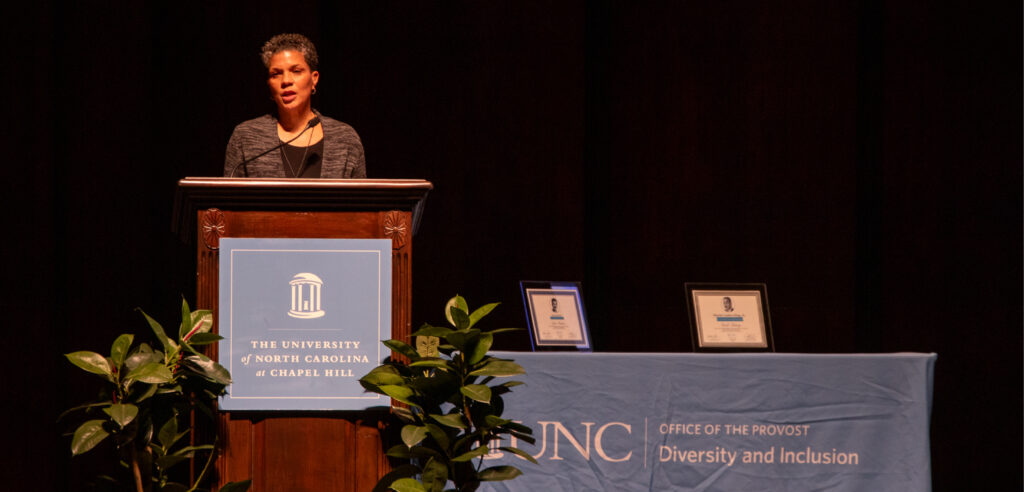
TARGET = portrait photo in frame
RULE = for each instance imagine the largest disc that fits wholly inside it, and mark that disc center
(729, 317)
(555, 316)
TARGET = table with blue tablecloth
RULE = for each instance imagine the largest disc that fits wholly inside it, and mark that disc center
(721, 422)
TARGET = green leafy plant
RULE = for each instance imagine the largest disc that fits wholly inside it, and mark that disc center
(454, 412)
(147, 400)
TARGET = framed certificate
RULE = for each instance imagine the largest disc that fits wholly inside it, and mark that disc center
(555, 315)
(729, 317)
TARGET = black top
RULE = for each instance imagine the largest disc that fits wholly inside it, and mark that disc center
(302, 162)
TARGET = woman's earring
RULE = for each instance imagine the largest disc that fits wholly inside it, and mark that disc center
(314, 89)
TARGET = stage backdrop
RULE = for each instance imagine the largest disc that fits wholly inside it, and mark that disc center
(702, 422)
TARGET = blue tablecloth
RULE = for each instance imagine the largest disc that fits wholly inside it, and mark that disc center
(734, 422)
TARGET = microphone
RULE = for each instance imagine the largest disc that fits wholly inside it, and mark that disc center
(311, 124)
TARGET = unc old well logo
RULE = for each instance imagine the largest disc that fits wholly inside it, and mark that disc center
(306, 296)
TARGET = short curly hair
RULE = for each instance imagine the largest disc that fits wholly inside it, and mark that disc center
(293, 42)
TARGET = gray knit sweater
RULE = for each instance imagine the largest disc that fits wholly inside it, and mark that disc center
(343, 151)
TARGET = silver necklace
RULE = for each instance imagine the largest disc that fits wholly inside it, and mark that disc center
(287, 162)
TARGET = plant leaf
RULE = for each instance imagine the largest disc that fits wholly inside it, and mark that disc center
(464, 440)
(441, 384)
(91, 362)
(402, 348)
(503, 330)
(405, 452)
(499, 368)
(168, 434)
(522, 437)
(188, 451)
(400, 393)
(438, 434)
(477, 349)
(174, 487)
(151, 372)
(119, 349)
(480, 451)
(496, 367)
(435, 475)
(520, 453)
(87, 436)
(208, 368)
(148, 392)
(170, 348)
(186, 319)
(122, 413)
(497, 404)
(462, 338)
(407, 485)
(202, 321)
(382, 375)
(432, 331)
(516, 426)
(413, 434)
(401, 471)
(480, 312)
(451, 420)
(498, 473)
(200, 339)
(438, 363)
(505, 387)
(166, 462)
(458, 303)
(81, 407)
(142, 354)
(241, 486)
(478, 392)
(492, 421)
(461, 318)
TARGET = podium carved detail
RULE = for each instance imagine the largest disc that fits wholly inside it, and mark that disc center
(213, 228)
(396, 227)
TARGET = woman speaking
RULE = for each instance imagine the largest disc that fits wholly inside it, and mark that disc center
(299, 142)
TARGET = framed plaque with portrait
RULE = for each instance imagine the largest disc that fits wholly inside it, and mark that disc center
(729, 317)
(555, 315)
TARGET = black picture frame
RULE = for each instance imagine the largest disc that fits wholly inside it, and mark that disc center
(554, 307)
(729, 317)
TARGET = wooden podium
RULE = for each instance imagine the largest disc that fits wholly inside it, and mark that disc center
(301, 451)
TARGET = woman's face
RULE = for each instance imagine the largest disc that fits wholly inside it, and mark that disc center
(291, 81)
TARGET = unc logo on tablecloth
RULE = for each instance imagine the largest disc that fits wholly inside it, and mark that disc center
(306, 289)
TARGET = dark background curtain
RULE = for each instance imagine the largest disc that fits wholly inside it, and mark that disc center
(861, 158)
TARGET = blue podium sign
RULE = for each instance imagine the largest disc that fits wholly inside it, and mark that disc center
(721, 422)
(302, 321)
